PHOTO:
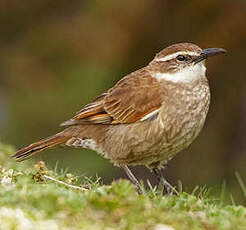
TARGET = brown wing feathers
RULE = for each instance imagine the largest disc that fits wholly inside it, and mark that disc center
(128, 101)
(133, 97)
(93, 113)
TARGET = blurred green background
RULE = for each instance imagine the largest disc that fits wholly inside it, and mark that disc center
(56, 56)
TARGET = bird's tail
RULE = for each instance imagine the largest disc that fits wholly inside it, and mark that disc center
(39, 146)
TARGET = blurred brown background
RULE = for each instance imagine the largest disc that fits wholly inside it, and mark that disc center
(56, 56)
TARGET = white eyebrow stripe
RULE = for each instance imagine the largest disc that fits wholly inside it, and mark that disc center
(174, 55)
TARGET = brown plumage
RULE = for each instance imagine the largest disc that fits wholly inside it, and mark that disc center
(41, 145)
(147, 117)
(128, 101)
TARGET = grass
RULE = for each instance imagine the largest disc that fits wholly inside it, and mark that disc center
(33, 197)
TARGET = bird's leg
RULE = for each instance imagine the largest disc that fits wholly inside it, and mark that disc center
(132, 178)
(168, 188)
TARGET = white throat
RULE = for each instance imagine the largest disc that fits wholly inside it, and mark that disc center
(186, 75)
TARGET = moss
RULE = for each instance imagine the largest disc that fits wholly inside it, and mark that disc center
(33, 197)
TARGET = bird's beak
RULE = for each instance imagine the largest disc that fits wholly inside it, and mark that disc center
(209, 53)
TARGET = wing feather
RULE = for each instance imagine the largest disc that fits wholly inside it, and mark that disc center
(130, 100)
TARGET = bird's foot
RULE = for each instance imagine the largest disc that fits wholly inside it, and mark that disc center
(132, 178)
(163, 184)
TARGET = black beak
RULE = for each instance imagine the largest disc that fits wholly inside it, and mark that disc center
(209, 53)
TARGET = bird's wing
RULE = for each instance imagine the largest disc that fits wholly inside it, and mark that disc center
(136, 97)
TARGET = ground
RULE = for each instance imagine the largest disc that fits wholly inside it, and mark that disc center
(34, 197)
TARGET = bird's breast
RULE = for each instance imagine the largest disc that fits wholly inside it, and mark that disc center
(183, 117)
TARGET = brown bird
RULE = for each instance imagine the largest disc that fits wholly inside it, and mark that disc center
(147, 117)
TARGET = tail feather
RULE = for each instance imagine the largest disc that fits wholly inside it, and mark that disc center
(39, 146)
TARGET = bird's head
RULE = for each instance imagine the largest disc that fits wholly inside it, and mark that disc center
(182, 62)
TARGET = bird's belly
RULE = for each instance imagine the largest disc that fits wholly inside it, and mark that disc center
(152, 142)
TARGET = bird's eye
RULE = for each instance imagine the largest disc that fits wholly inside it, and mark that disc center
(181, 57)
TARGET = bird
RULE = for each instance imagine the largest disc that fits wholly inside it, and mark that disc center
(147, 117)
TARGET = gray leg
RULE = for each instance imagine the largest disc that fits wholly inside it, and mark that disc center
(132, 178)
(168, 188)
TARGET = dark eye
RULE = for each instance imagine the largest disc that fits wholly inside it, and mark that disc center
(181, 57)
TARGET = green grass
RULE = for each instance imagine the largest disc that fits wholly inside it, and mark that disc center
(33, 197)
